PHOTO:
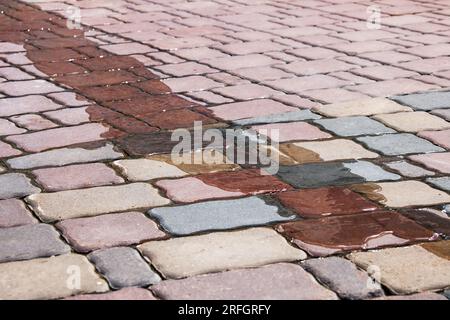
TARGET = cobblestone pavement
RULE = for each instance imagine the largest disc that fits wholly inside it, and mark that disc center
(93, 207)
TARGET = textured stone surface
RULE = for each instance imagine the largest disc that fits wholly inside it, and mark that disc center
(49, 278)
(279, 117)
(121, 229)
(409, 269)
(438, 221)
(146, 169)
(219, 251)
(33, 103)
(13, 213)
(442, 183)
(94, 201)
(413, 121)
(122, 294)
(407, 169)
(16, 185)
(425, 101)
(291, 131)
(399, 144)
(7, 128)
(343, 277)
(29, 242)
(217, 215)
(7, 150)
(443, 113)
(370, 171)
(123, 267)
(277, 281)
(441, 138)
(366, 107)
(354, 126)
(435, 161)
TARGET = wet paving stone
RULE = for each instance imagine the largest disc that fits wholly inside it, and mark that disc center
(65, 156)
(28, 104)
(123, 267)
(29, 242)
(442, 183)
(219, 251)
(411, 269)
(76, 176)
(218, 215)
(354, 126)
(441, 138)
(277, 281)
(425, 101)
(370, 171)
(343, 277)
(147, 169)
(402, 193)
(435, 161)
(328, 201)
(16, 185)
(327, 236)
(413, 121)
(111, 230)
(399, 144)
(438, 222)
(221, 185)
(46, 278)
(407, 169)
(291, 131)
(148, 144)
(316, 175)
(13, 213)
(94, 201)
(122, 294)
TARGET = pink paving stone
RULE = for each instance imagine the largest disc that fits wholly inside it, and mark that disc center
(392, 87)
(301, 84)
(314, 53)
(29, 104)
(436, 161)
(7, 150)
(7, 127)
(76, 176)
(350, 77)
(122, 294)
(295, 100)
(60, 137)
(247, 91)
(262, 73)
(242, 48)
(185, 69)
(384, 72)
(366, 35)
(182, 43)
(441, 138)
(431, 65)
(239, 62)
(33, 122)
(13, 213)
(14, 74)
(250, 109)
(127, 48)
(292, 131)
(69, 99)
(21, 88)
(363, 46)
(404, 19)
(110, 230)
(317, 66)
(334, 95)
(209, 97)
(200, 53)
(70, 116)
(390, 57)
(192, 83)
(429, 51)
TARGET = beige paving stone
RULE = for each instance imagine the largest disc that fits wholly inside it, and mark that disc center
(365, 107)
(408, 270)
(219, 251)
(95, 201)
(403, 193)
(413, 121)
(146, 169)
(49, 278)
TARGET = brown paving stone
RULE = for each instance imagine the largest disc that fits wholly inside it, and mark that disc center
(439, 223)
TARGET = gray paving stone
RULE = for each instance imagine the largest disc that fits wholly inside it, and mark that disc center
(281, 117)
(343, 277)
(61, 157)
(447, 209)
(123, 267)
(425, 101)
(13, 213)
(217, 215)
(354, 126)
(442, 183)
(443, 113)
(317, 175)
(29, 242)
(399, 144)
(16, 185)
(447, 294)
(409, 170)
(370, 171)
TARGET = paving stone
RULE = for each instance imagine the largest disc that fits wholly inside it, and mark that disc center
(409, 170)
(413, 121)
(122, 294)
(384, 72)
(277, 281)
(76, 176)
(408, 270)
(328, 201)
(392, 87)
(15, 88)
(29, 242)
(33, 103)
(316, 175)
(326, 236)
(13, 213)
(7, 127)
(16, 185)
(435, 161)
(280, 117)
(69, 99)
(291, 131)
(354, 126)
(444, 113)
(123, 267)
(147, 169)
(370, 171)
(403, 193)
(301, 84)
(441, 138)
(70, 116)
(192, 83)
(65, 156)
(218, 215)
(221, 185)
(418, 296)
(7, 150)
(94, 201)
(219, 251)
(111, 230)
(49, 278)
(442, 183)
(399, 144)
(425, 101)
(434, 220)
(366, 107)
(343, 277)
(239, 62)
